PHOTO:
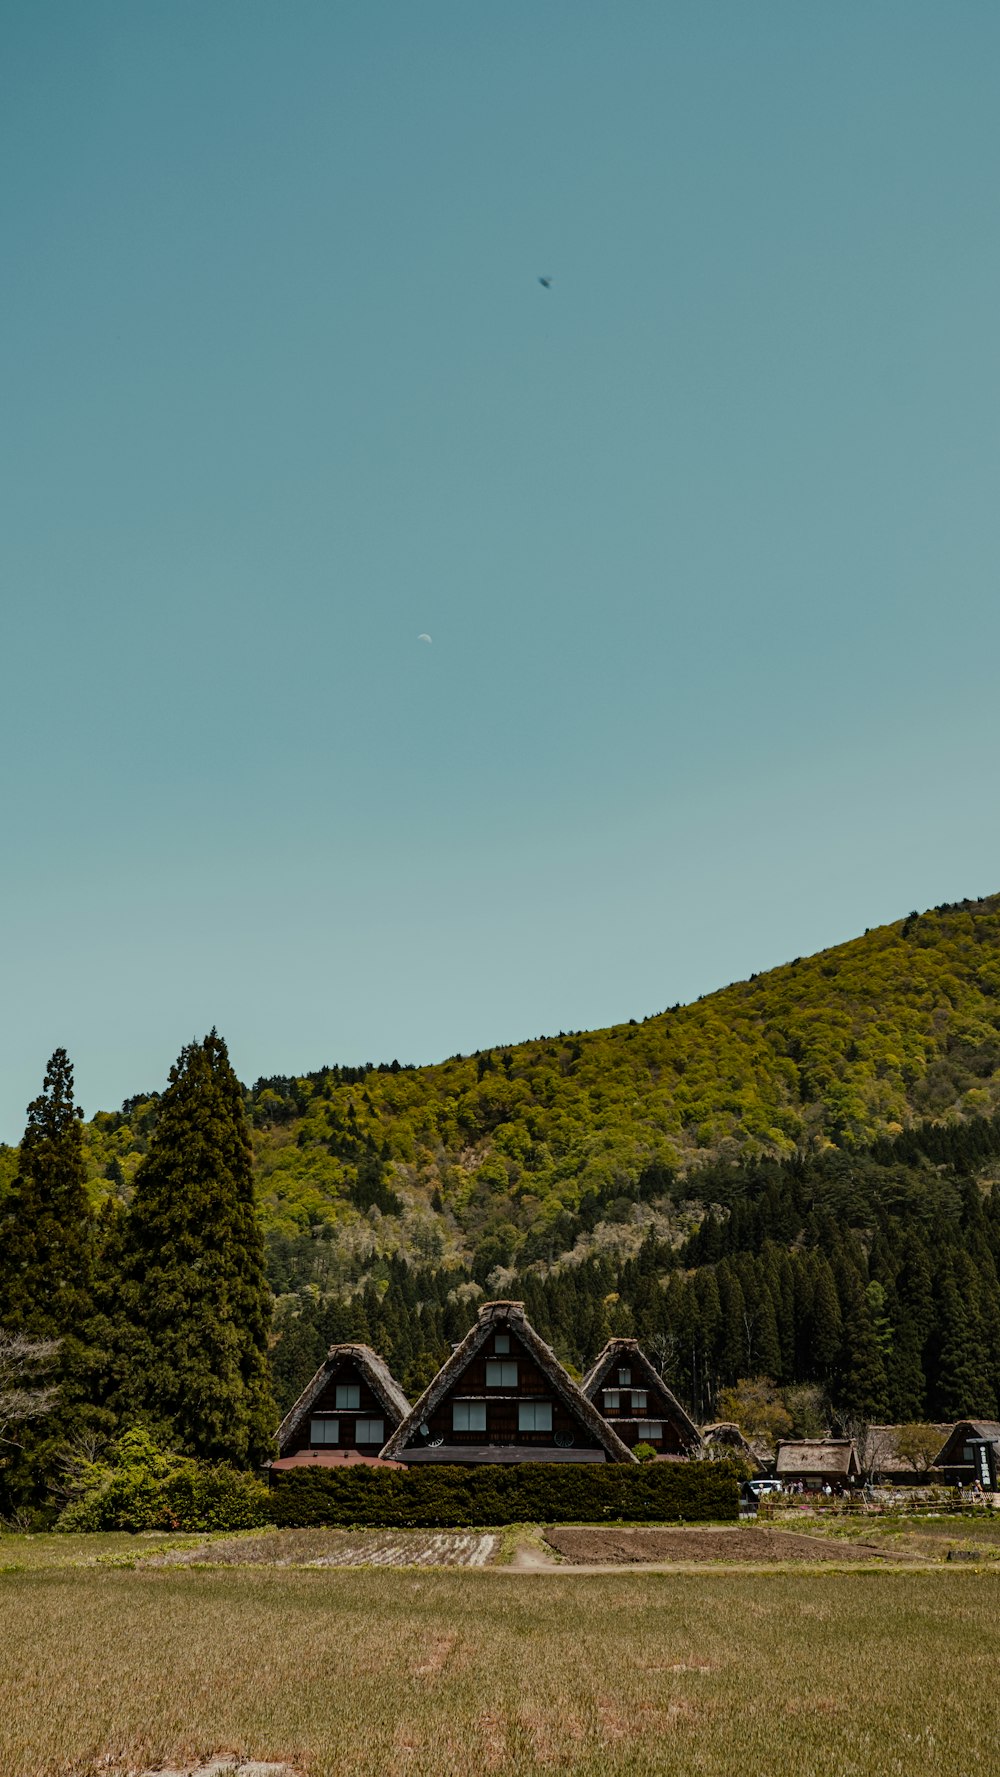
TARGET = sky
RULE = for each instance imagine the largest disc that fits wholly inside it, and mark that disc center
(705, 535)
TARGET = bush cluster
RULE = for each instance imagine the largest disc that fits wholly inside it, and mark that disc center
(445, 1496)
(144, 1487)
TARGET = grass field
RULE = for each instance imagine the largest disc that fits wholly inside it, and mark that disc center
(362, 1671)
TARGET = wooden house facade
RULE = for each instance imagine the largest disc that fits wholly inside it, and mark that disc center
(503, 1396)
(349, 1409)
(970, 1455)
(636, 1402)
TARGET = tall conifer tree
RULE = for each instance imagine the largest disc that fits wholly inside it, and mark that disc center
(45, 1253)
(195, 1292)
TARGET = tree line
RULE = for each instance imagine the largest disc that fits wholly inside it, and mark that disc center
(868, 1276)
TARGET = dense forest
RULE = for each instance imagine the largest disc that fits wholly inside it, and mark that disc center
(792, 1178)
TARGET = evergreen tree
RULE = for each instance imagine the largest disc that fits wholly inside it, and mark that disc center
(862, 1386)
(45, 1253)
(46, 1282)
(195, 1296)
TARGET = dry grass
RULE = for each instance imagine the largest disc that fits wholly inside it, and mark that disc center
(438, 1674)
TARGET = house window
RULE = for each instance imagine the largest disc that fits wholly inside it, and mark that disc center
(501, 1344)
(369, 1431)
(324, 1431)
(501, 1375)
(640, 1400)
(612, 1400)
(348, 1395)
(468, 1416)
(534, 1416)
(651, 1430)
(624, 1378)
(968, 1453)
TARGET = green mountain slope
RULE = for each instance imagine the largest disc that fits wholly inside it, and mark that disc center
(508, 1154)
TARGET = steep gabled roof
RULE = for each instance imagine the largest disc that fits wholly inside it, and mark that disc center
(726, 1436)
(618, 1350)
(833, 1457)
(373, 1368)
(987, 1430)
(492, 1315)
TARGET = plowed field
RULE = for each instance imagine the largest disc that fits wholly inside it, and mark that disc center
(624, 1547)
(341, 1548)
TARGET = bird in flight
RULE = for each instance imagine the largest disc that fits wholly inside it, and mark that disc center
(546, 283)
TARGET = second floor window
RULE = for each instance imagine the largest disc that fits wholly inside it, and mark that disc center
(468, 1416)
(370, 1431)
(348, 1395)
(612, 1400)
(501, 1375)
(640, 1400)
(324, 1431)
(534, 1416)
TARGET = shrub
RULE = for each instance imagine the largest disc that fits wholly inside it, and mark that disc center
(145, 1487)
(443, 1495)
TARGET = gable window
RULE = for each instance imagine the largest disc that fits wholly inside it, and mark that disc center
(612, 1400)
(534, 1416)
(348, 1395)
(640, 1400)
(501, 1344)
(651, 1429)
(468, 1416)
(501, 1375)
(324, 1431)
(370, 1431)
(624, 1378)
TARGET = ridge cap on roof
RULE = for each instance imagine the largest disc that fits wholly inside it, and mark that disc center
(376, 1372)
(546, 1358)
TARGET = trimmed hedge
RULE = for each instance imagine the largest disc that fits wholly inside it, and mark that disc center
(446, 1495)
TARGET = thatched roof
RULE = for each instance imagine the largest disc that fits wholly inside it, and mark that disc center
(511, 1314)
(835, 1459)
(629, 1351)
(964, 1430)
(882, 1455)
(376, 1373)
(725, 1438)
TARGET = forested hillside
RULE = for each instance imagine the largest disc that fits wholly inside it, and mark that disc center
(792, 1177)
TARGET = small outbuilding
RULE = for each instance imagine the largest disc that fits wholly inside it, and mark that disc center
(971, 1454)
(725, 1439)
(349, 1408)
(503, 1396)
(636, 1401)
(818, 1462)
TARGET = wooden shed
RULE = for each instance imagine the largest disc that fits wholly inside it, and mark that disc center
(353, 1403)
(636, 1401)
(503, 1396)
(818, 1462)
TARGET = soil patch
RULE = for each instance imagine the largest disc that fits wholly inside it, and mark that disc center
(621, 1547)
(339, 1548)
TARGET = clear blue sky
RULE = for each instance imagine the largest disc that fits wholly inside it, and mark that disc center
(706, 536)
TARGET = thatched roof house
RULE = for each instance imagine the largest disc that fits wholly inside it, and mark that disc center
(883, 1460)
(818, 1461)
(971, 1452)
(634, 1399)
(353, 1403)
(503, 1396)
(725, 1438)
